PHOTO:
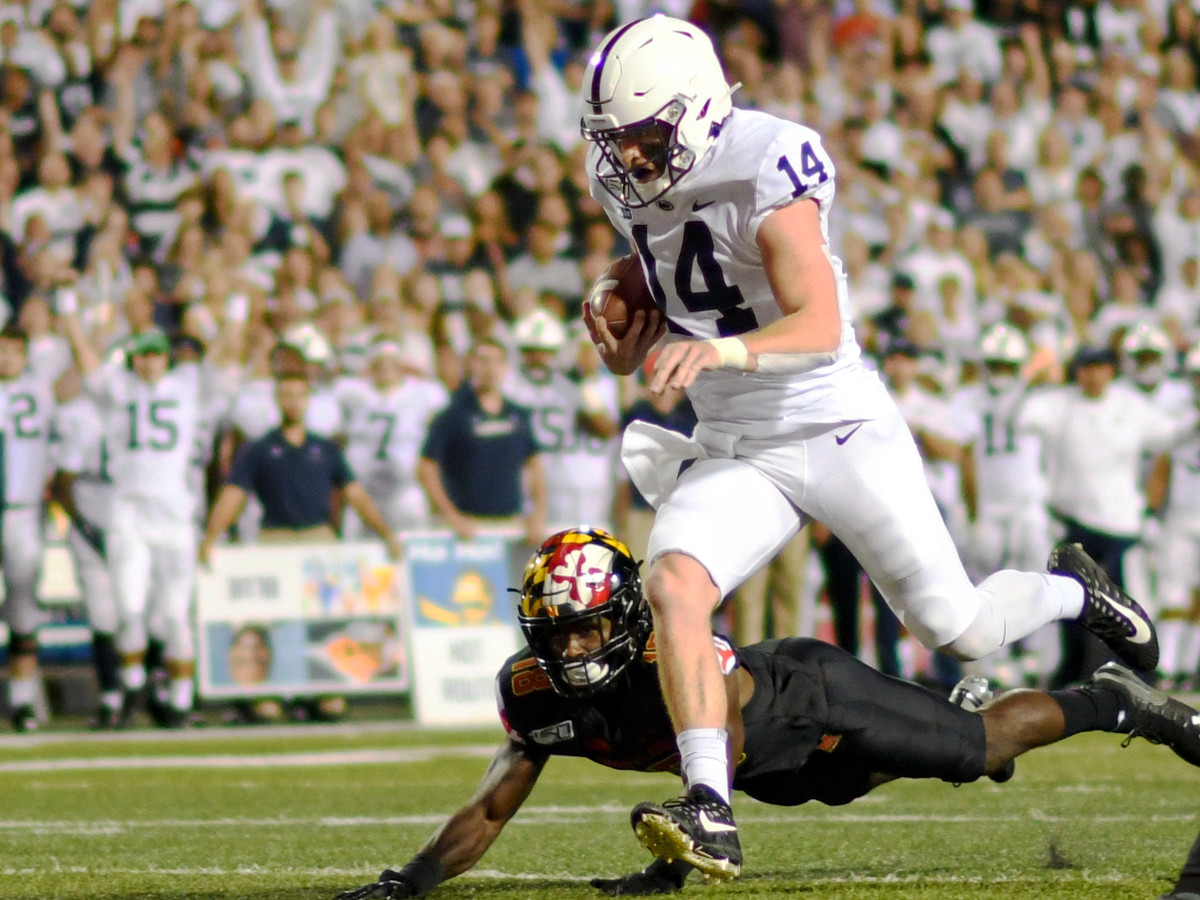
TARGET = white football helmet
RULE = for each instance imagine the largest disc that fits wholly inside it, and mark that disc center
(1002, 348)
(658, 76)
(1147, 349)
(539, 330)
(313, 346)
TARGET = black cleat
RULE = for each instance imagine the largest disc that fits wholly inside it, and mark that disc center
(1108, 612)
(24, 719)
(697, 828)
(973, 693)
(1148, 713)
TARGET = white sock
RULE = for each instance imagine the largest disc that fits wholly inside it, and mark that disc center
(1069, 594)
(704, 759)
(111, 699)
(22, 692)
(1170, 645)
(133, 676)
(1014, 605)
(182, 692)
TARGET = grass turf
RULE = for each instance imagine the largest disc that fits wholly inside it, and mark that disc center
(305, 812)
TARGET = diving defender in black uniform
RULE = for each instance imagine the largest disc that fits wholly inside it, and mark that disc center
(807, 721)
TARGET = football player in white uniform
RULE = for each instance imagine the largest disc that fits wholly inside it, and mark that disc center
(1004, 472)
(1005, 488)
(728, 211)
(26, 417)
(589, 491)
(152, 413)
(1174, 491)
(83, 487)
(385, 420)
(560, 413)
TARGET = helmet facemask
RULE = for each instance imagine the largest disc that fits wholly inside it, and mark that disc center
(582, 611)
(658, 138)
(1001, 375)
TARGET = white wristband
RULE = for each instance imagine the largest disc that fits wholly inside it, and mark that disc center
(731, 352)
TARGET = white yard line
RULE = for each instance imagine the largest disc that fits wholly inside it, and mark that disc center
(252, 760)
(534, 815)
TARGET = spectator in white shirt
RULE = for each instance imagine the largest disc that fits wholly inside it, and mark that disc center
(963, 43)
(55, 201)
(293, 78)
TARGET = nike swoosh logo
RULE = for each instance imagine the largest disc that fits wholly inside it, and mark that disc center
(1141, 630)
(697, 206)
(709, 825)
(842, 438)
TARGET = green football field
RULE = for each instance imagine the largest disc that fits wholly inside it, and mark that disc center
(306, 811)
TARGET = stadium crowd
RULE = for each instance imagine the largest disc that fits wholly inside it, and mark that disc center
(389, 198)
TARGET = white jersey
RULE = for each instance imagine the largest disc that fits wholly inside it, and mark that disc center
(1009, 467)
(591, 466)
(554, 403)
(700, 257)
(150, 431)
(80, 448)
(26, 420)
(926, 411)
(385, 429)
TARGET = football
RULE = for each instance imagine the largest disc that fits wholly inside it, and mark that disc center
(619, 293)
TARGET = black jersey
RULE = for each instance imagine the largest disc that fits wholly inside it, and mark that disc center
(819, 724)
(624, 727)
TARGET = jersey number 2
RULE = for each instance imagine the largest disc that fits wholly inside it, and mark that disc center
(698, 250)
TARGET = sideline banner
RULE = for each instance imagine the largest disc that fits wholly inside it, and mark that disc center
(301, 620)
(464, 622)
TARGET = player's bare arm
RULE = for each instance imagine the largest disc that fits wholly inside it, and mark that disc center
(461, 842)
(797, 263)
(429, 476)
(356, 495)
(535, 479)
(225, 511)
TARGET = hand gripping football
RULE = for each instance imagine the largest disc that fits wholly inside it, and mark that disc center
(619, 293)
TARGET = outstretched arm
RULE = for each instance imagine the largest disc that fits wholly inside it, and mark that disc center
(466, 836)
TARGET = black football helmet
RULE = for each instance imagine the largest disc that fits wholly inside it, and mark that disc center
(582, 588)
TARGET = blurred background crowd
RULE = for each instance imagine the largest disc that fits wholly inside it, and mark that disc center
(390, 198)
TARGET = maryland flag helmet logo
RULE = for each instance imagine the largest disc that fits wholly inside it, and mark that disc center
(582, 609)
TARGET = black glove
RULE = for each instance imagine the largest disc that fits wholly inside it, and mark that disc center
(660, 877)
(390, 885)
(93, 535)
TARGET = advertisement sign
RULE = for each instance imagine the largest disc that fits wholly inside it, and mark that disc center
(301, 620)
(464, 622)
